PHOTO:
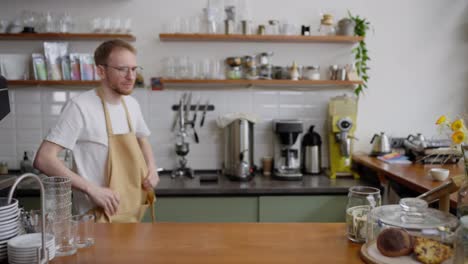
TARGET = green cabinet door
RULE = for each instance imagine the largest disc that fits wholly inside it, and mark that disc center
(317, 208)
(205, 209)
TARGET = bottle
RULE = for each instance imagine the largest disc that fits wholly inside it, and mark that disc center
(26, 164)
(294, 72)
(311, 151)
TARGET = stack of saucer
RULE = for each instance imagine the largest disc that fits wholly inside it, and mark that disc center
(9, 224)
(23, 249)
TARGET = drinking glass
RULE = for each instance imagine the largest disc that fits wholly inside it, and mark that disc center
(127, 25)
(85, 233)
(65, 231)
(361, 200)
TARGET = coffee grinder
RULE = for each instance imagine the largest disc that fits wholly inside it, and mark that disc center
(342, 112)
(287, 149)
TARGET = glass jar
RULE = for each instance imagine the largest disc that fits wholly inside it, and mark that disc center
(250, 73)
(312, 72)
(461, 241)
(277, 72)
(234, 73)
(361, 200)
(425, 226)
(326, 25)
(462, 198)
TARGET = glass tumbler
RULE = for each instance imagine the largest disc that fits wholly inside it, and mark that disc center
(85, 233)
(65, 231)
(361, 200)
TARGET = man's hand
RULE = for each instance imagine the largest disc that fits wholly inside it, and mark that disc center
(151, 180)
(105, 198)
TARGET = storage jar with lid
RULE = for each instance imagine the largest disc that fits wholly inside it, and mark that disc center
(424, 230)
(361, 200)
(312, 72)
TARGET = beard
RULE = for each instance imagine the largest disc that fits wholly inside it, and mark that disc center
(121, 91)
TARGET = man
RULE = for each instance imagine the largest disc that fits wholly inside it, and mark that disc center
(114, 169)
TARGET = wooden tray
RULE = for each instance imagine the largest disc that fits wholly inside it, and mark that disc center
(371, 255)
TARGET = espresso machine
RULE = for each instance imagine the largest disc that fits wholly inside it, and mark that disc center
(287, 149)
(342, 112)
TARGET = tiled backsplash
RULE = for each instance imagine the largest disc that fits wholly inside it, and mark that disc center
(36, 109)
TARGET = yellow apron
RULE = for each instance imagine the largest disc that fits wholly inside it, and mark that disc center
(125, 171)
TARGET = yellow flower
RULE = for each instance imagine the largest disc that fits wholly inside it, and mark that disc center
(441, 120)
(457, 125)
(458, 137)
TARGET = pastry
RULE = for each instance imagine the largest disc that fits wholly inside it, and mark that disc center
(394, 242)
(430, 251)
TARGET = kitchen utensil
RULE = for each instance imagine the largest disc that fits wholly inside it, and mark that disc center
(176, 118)
(381, 144)
(195, 134)
(202, 121)
(187, 107)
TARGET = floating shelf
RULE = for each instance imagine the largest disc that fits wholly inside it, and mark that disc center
(52, 83)
(259, 38)
(261, 82)
(65, 36)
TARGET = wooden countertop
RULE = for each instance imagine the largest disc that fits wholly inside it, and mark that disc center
(413, 176)
(218, 243)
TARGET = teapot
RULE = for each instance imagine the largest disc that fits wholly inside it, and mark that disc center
(381, 144)
(417, 140)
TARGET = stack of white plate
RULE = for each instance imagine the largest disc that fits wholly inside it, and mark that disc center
(9, 224)
(23, 249)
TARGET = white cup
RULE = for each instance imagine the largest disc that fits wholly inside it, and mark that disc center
(439, 174)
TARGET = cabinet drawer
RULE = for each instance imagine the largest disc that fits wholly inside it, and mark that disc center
(317, 208)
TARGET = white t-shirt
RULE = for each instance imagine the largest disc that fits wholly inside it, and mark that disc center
(82, 128)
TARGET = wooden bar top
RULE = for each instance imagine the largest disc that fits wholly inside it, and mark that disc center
(218, 243)
(413, 176)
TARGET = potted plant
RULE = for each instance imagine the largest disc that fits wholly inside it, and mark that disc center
(360, 52)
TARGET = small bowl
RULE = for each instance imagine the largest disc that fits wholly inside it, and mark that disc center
(439, 174)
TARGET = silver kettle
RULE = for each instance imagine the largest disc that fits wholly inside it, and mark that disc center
(381, 144)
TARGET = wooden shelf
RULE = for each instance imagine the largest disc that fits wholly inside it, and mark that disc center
(259, 38)
(65, 36)
(52, 83)
(262, 82)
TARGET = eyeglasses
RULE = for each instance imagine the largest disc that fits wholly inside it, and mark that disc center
(124, 70)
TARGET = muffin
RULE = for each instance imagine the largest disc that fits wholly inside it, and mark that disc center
(394, 242)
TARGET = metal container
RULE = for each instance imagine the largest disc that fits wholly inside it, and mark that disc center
(239, 150)
(311, 149)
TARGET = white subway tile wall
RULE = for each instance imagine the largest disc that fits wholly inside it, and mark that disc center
(35, 110)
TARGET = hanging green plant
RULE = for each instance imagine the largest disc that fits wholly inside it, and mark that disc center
(360, 51)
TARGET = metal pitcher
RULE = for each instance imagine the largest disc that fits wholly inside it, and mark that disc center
(381, 144)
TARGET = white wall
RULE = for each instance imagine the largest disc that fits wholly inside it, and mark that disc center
(419, 70)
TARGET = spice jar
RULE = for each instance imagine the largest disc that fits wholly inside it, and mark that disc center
(312, 72)
(234, 73)
(277, 73)
(326, 25)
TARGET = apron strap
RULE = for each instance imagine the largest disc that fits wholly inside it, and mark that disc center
(107, 115)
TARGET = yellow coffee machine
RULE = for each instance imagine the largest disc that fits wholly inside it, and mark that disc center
(342, 112)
